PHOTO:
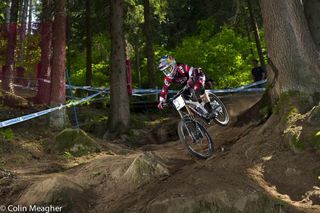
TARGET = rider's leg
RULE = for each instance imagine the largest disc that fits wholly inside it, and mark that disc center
(201, 93)
(206, 100)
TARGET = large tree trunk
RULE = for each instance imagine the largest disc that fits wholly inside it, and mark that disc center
(43, 95)
(119, 111)
(58, 96)
(88, 44)
(22, 30)
(291, 50)
(312, 12)
(256, 34)
(30, 17)
(11, 45)
(149, 44)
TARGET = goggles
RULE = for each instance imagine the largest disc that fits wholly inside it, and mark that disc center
(168, 70)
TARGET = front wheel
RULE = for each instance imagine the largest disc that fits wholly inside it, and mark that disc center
(222, 116)
(195, 137)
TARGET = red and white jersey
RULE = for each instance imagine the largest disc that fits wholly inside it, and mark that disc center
(183, 74)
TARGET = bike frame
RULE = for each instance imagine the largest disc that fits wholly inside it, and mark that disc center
(191, 126)
(191, 111)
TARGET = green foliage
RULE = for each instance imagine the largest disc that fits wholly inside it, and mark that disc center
(297, 143)
(160, 9)
(99, 72)
(7, 134)
(133, 23)
(101, 46)
(134, 16)
(75, 142)
(290, 107)
(2, 9)
(68, 155)
(3, 46)
(224, 56)
(31, 53)
(100, 66)
(189, 31)
(183, 18)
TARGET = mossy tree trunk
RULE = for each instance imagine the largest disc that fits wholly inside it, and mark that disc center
(293, 59)
(119, 106)
(292, 53)
(294, 73)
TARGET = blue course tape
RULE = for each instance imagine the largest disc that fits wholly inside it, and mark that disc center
(44, 112)
(141, 92)
(88, 88)
(136, 92)
(245, 88)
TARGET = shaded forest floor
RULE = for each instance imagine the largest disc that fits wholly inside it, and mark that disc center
(151, 171)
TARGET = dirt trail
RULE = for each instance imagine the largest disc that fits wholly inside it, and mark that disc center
(254, 173)
(253, 176)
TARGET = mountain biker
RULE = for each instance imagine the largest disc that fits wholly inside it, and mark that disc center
(183, 74)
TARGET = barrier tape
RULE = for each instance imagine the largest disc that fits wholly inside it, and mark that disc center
(25, 78)
(245, 88)
(25, 87)
(136, 92)
(88, 88)
(141, 92)
(44, 112)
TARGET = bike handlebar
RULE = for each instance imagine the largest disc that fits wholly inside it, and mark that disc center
(170, 100)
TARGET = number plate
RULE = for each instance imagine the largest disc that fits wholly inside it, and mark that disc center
(179, 102)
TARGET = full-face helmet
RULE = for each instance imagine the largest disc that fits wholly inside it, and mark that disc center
(167, 65)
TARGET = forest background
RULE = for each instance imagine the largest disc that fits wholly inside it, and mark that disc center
(218, 36)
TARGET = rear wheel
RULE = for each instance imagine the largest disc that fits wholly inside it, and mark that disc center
(195, 137)
(222, 116)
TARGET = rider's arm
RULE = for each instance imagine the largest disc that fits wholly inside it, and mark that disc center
(165, 90)
(196, 76)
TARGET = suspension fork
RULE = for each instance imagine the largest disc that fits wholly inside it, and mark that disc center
(188, 110)
(180, 114)
(196, 125)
